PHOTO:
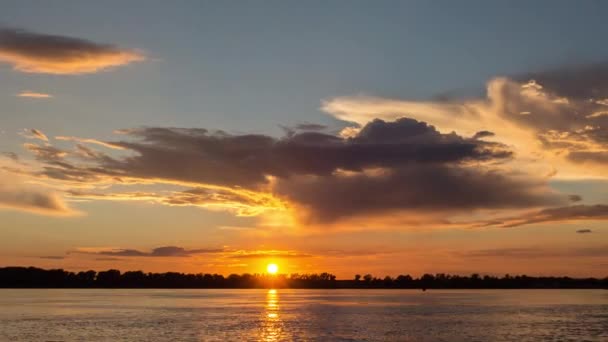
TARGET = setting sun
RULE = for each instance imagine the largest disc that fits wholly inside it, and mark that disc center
(272, 268)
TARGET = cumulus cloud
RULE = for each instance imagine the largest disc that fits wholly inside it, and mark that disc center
(492, 156)
(553, 120)
(415, 189)
(52, 54)
(200, 156)
(389, 166)
(34, 95)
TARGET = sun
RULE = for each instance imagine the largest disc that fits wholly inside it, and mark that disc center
(272, 268)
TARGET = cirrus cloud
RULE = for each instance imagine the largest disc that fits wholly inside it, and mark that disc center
(34, 95)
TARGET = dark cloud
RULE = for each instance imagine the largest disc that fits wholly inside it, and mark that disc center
(598, 157)
(53, 54)
(167, 251)
(33, 133)
(303, 127)
(584, 231)
(201, 156)
(536, 252)
(576, 81)
(483, 134)
(310, 127)
(417, 189)
(52, 257)
(402, 165)
(558, 214)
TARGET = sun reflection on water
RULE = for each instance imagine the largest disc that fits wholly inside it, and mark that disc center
(272, 326)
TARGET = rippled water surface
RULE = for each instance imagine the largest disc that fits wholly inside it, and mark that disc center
(303, 315)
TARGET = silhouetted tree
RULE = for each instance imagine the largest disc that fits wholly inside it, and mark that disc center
(31, 277)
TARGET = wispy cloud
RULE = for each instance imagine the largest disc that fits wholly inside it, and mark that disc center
(165, 251)
(33, 133)
(52, 257)
(536, 252)
(34, 95)
(15, 195)
(268, 254)
(580, 212)
(53, 54)
(90, 141)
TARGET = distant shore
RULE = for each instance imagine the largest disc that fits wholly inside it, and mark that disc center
(32, 277)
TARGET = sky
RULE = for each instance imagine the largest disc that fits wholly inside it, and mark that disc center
(389, 137)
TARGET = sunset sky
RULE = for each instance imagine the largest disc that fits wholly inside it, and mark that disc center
(387, 137)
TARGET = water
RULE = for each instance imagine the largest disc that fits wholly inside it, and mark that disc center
(303, 315)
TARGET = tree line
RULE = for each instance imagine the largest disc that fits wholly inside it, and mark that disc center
(32, 277)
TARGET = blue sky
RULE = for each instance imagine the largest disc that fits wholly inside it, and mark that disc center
(251, 67)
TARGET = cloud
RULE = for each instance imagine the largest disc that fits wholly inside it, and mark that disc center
(599, 157)
(427, 160)
(483, 134)
(15, 195)
(34, 95)
(310, 127)
(11, 155)
(240, 201)
(90, 141)
(269, 254)
(52, 257)
(166, 251)
(574, 81)
(108, 259)
(580, 212)
(552, 120)
(172, 251)
(584, 231)
(247, 160)
(52, 54)
(416, 189)
(33, 133)
(388, 167)
(536, 252)
(306, 127)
